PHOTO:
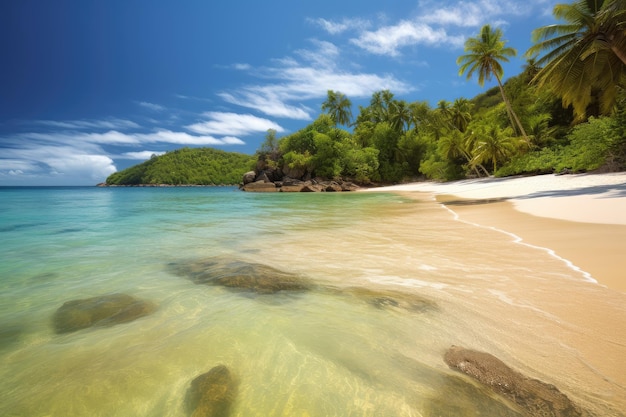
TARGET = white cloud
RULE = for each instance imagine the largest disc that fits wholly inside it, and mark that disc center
(254, 97)
(335, 28)
(292, 82)
(141, 156)
(221, 123)
(151, 106)
(67, 164)
(182, 138)
(242, 67)
(389, 39)
(90, 124)
(90, 140)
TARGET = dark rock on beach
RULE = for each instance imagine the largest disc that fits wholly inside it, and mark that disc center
(105, 310)
(534, 397)
(241, 276)
(265, 179)
(212, 394)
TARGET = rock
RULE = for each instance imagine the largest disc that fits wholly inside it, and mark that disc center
(249, 177)
(263, 177)
(105, 310)
(381, 298)
(332, 186)
(309, 187)
(241, 276)
(293, 172)
(292, 188)
(535, 397)
(212, 394)
(260, 186)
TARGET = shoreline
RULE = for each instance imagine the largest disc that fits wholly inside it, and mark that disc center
(580, 219)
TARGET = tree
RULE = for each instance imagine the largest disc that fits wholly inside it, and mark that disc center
(460, 113)
(585, 57)
(492, 145)
(399, 115)
(338, 107)
(485, 53)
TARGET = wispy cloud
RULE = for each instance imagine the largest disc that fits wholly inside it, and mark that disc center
(337, 27)
(307, 75)
(389, 39)
(435, 24)
(151, 106)
(90, 124)
(233, 124)
(141, 155)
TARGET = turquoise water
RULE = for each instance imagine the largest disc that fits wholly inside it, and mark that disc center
(319, 353)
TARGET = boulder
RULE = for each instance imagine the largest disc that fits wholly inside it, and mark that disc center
(293, 172)
(212, 393)
(249, 177)
(292, 188)
(382, 298)
(260, 186)
(104, 310)
(535, 397)
(241, 276)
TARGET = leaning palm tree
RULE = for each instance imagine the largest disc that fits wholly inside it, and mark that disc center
(585, 57)
(485, 53)
(338, 107)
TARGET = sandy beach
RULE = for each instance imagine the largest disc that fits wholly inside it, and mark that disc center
(582, 218)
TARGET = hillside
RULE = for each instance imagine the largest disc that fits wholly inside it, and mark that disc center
(187, 166)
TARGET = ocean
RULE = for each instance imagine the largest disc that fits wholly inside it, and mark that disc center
(395, 280)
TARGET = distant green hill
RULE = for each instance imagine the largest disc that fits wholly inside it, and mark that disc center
(187, 166)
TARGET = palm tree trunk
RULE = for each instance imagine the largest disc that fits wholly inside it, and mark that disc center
(509, 109)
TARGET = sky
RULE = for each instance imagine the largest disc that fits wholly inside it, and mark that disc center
(90, 87)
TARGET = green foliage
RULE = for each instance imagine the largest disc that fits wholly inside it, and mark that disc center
(198, 166)
(591, 146)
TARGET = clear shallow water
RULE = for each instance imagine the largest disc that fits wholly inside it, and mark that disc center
(311, 354)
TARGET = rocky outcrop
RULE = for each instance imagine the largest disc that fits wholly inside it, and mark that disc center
(240, 276)
(534, 397)
(105, 310)
(274, 180)
(212, 394)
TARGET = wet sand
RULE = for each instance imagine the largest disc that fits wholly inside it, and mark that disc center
(582, 218)
(597, 249)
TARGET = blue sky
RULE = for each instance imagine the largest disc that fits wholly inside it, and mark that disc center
(91, 87)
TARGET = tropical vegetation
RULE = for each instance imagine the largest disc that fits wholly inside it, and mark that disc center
(565, 112)
(198, 166)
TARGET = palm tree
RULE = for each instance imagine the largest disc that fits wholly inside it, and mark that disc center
(399, 115)
(585, 57)
(485, 53)
(492, 145)
(338, 107)
(460, 113)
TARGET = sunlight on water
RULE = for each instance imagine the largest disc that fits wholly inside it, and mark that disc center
(330, 351)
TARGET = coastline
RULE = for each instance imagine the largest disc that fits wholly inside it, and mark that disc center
(580, 218)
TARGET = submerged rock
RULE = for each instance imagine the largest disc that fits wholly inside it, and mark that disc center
(240, 275)
(381, 298)
(212, 394)
(535, 397)
(104, 310)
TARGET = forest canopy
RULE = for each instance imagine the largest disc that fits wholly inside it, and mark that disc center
(197, 166)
